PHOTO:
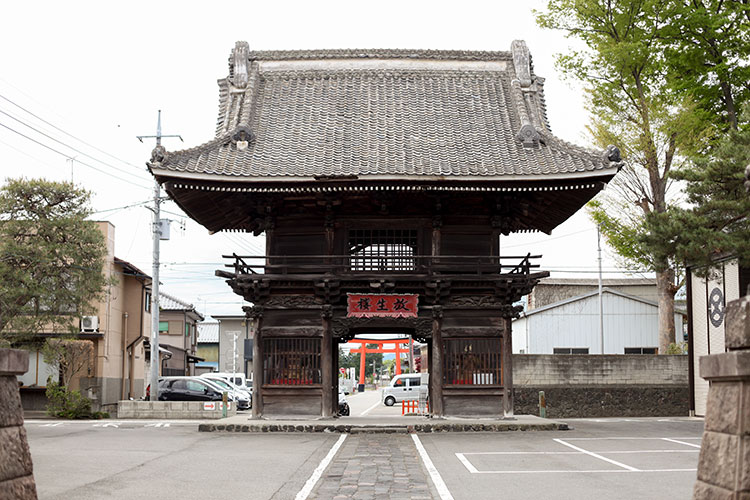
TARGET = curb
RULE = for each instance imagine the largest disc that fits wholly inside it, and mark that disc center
(383, 429)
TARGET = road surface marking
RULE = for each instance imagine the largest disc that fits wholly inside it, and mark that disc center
(116, 426)
(369, 409)
(52, 425)
(440, 486)
(591, 453)
(310, 484)
(681, 442)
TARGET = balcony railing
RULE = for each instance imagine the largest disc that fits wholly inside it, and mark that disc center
(356, 265)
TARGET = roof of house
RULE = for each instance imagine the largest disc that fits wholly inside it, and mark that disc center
(170, 303)
(593, 294)
(130, 269)
(208, 332)
(595, 282)
(383, 114)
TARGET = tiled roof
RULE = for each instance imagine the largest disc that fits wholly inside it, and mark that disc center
(382, 114)
(208, 332)
(595, 282)
(170, 303)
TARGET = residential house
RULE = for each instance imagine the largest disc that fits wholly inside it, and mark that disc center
(208, 347)
(118, 328)
(235, 344)
(178, 333)
(571, 326)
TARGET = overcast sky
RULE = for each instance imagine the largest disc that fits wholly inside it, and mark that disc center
(95, 74)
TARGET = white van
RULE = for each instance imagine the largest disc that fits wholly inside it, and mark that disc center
(235, 378)
(408, 386)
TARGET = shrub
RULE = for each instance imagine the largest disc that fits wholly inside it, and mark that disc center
(677, 348)
(65, 403)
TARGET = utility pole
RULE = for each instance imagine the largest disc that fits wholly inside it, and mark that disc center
(601, 301)
(157, 234)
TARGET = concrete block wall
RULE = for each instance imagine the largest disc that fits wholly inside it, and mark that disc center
(171, 410)
(592, 385)
(596, 370)
(16, 470)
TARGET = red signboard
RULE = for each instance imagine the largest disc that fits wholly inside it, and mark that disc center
(365, 305)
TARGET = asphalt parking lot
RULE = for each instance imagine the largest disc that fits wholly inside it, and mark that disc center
(598, 458)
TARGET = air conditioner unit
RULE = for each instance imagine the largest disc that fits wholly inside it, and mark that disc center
(89, 324)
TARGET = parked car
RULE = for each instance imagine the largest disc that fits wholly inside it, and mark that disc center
(188, 389)
(408, 386)
(244, 397)
(198, 389)
(343, 403)
(237, 379)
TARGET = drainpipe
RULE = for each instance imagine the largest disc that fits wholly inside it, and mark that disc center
(124, 353)
(131, 346)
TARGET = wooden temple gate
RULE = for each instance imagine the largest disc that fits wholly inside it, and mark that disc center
(385, 174)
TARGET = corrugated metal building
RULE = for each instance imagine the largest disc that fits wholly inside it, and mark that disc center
(571, 326)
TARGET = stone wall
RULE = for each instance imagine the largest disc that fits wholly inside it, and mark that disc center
(16, 471)
(578, 386)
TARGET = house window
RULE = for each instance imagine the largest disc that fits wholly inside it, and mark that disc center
(382, 249)
(472, 362)
(570, 350)
(147, 302)
(291, 361)
(164, 327)
(641, 350)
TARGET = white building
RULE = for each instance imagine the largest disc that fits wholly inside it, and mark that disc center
(571, 326)
(707, 298)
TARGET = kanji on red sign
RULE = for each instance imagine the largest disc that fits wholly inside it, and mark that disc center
(382, 305)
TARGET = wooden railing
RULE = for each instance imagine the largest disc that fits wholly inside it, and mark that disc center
(381, 265)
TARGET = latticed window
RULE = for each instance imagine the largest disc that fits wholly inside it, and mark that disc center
(291, 361)
(382, 249)
(472, 362)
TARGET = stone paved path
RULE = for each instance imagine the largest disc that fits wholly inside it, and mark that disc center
(375, 466)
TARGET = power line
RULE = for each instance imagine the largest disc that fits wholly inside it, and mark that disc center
(66, 133)
(69, 146)
(69, 157)
(121, 208)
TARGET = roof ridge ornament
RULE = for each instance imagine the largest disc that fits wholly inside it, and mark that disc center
(238, 70)
(612, 154)
(242, 136)
(521, 62)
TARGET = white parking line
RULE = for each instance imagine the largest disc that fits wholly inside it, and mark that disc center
(591, 453)
(437, 480)
(369, 409)
(310, 484)
(681, 442)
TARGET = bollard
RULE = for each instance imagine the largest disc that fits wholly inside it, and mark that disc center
(224, 398)
(542, 405)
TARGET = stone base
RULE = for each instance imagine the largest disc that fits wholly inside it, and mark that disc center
(16, 479)
(607, 401)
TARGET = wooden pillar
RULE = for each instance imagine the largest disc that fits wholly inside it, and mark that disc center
(326, 363)
(398, 360)
(436, 363)
(362, 355)
(507, 350)
(256, 313)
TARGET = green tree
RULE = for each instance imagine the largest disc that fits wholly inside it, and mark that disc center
(718, 220)
(623, 71)
(51, 258)
(351, 360)
(707, 56)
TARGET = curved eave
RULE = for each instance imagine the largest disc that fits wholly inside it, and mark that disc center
(164, 175)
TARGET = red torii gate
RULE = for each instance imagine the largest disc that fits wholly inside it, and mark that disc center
(363, 350)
